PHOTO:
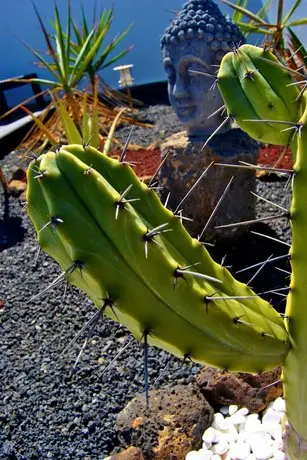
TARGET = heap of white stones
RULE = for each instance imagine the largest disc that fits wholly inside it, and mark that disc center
(235, 434)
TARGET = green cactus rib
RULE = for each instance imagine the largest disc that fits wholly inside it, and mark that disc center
(251, 83)
(79, 191)
(295, 366)
(291, 109)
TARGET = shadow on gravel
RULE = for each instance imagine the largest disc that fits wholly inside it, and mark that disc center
(11, 229)
(251, 249)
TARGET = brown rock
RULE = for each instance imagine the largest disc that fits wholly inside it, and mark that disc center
(19, 174)
(132, 453)
(171, 427)
(16, 187)
(185, 160)
(246, 390)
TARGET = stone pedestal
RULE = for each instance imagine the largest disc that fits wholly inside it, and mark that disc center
(184, 164)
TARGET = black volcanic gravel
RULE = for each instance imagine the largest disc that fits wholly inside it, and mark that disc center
(46, 410)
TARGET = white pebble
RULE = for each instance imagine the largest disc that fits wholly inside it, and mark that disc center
(192, 455)
(272, 428)
(263, 451)
(204, 455)
(237, 419)
(232, 409)
(279, 455)
(218, 421)
(224, 410)
(279, 405)
(197, 455)
(206, 445)
(251, 457)
(239, 451)
(220, 448)
(209, 435)
(271, 415)
(216, 457)
(244, 411)
(252, 418)
(231, 434)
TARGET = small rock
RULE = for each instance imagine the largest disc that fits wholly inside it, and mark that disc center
(172, 426)
(132, 453)
(16, 187)
(245, 390)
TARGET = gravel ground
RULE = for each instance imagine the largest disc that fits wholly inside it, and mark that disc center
(47, 411)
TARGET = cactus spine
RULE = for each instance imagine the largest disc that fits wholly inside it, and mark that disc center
(279, 115)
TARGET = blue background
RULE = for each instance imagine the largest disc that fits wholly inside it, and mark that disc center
(150, 17)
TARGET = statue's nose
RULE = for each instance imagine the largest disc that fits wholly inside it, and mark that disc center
(180, 89)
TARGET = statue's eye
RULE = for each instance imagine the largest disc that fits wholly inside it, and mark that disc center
(197, 71)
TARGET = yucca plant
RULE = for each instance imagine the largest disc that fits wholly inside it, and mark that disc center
(274, 33)
(75, 55)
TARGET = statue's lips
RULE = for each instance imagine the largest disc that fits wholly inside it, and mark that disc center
(185, 109)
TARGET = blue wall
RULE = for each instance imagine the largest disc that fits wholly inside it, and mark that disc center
(150, 17)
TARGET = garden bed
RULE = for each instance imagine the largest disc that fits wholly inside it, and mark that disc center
(48, 411)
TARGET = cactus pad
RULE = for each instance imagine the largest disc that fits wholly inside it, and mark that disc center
(115, 240)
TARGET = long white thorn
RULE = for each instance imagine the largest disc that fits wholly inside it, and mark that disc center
(54, 283)
(204, 74)
(121, 351)
(271, 238)
(89, 336)
(284, 271)
(167, 199)
(270, 202)
(158, 169)
(234, 297)
(215, 132)
(284, 256)
(80, 332)
(278, 122)
(193, 187)
(123, 154)
(198, 275)
(254, 221)
(259, 270)
(289, 171)
(293, 54)
(217, 111)
(256, 167)
(218, 204)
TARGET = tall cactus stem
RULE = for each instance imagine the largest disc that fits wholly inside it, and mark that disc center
(295, 367)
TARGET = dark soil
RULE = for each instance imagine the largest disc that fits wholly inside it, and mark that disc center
(47, 411)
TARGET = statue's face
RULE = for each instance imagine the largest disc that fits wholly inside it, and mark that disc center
(193, 97)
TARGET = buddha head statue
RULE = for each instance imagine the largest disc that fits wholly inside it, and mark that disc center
(192, 47)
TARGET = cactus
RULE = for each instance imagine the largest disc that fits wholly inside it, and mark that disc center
(263, 99)
(114, 239)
